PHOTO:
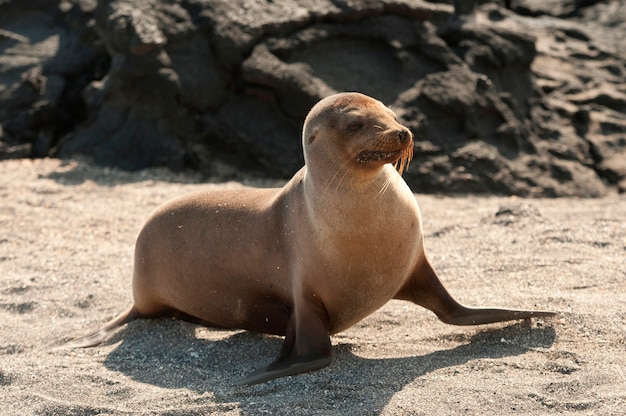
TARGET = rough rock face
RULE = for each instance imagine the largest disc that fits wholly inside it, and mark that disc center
(528, 100)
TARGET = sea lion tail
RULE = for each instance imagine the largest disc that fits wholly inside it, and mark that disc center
(95, 338)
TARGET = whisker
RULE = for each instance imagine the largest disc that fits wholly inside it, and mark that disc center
(385, 186)
(405, 160)
(343, 171)
(401, 165)
(332, 180)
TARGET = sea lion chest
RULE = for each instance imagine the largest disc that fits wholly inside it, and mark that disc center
(363, 249)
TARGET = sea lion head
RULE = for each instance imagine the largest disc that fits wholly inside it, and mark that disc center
(354, 130)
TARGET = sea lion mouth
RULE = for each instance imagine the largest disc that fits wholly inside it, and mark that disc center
(399, 158)
(370, 156)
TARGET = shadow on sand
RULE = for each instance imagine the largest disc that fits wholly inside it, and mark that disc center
(167, 353)
(78, 171)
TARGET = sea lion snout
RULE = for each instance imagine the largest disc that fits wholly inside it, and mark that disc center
(404, 135)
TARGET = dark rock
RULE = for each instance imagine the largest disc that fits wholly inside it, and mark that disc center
(252, 136)
(498, 102)
(605, 95)
(157, 86)
(48, 55)
(556, 8)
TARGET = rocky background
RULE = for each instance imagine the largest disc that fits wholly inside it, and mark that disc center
(520, 97)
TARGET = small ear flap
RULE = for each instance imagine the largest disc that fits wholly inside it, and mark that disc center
(312, 137)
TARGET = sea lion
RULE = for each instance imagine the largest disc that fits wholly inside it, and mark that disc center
(307, 260)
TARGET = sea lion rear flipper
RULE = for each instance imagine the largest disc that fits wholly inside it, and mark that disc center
(306, 346)
(425, 289)
(103, 333)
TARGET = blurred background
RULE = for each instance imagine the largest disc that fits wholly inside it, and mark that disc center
(514, 97)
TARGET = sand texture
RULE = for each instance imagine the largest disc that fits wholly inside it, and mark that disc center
(67, 233)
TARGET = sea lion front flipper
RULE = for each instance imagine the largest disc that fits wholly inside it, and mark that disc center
(285, 368)
(306, 347)
(425, 289)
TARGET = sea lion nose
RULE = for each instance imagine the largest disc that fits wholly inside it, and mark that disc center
(403, 135)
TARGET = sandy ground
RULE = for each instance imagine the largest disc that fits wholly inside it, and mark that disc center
(67, 231)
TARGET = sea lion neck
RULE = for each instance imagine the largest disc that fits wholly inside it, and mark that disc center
(347, 178)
